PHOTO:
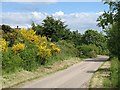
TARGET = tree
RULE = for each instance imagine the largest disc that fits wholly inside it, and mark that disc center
(110, 22)
(76, 38)
(38, 29)
(93, 37)
(98, 39)
(54, 29)
(7, 28)
(9, 34)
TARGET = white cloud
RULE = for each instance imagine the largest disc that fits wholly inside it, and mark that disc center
(60, 13)
(75, 21)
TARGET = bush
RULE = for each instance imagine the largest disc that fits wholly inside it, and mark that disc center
(29, 57)
(68, 50)
(10, 61)
(88, 50)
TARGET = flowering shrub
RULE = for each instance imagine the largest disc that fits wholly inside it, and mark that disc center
(30, 36)
(54, 48)
(45, 49)
(30, 48)
(44, 52)
(18, 47)
(3, 46)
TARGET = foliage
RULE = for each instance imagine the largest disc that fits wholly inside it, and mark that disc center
(113, 41)
(30, 36)
(115, 72)
(10, 62)
(29, 57)
(9, 34)
(88, 50)
(99, 39)
(113, 79)
(32, 50)
(51, 28)
(18, 47)
(7, 28)
(3, 45)
(76, 38)
(110, 21)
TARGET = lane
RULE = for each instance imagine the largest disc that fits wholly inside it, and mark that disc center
(76, 76)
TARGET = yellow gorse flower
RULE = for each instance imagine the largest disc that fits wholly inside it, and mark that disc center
(3, 46)
(54, 48)
(45, 49)
(57, 49)
(30, 35)
(44, 52)
(18, 47)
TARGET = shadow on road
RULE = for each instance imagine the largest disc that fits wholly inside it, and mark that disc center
(96, 60)
(91, 71)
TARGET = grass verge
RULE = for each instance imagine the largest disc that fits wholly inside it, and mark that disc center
(107, 76)
(21, 77)
(100, 78)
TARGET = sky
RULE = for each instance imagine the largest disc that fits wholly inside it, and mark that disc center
(79, 16)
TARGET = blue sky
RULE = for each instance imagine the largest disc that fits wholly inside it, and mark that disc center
(67, 7)
(77, 15)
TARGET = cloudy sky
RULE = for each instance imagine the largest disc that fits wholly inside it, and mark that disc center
(77, 15)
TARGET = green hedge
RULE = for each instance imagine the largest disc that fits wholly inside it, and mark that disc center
(88, 50)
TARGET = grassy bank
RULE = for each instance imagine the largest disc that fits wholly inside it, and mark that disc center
(106, 76)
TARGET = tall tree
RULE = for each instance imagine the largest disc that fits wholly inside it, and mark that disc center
(110, 22)
(52, 28)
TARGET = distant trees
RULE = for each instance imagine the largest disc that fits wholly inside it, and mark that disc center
(95, 38)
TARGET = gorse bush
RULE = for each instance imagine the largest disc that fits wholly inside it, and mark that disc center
(3, 45)
(28, 51)
(18, 47)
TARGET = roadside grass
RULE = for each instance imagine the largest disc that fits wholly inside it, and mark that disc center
(101, 77)
(107, 76)
(18, 78)
(115, 72)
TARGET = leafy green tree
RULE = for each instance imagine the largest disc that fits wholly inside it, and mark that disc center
(38, 29)
(90, 37)
(93, 37)
(76, 37)
(55, 29)
(110, 22)
(7, 28)
(98, 39)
